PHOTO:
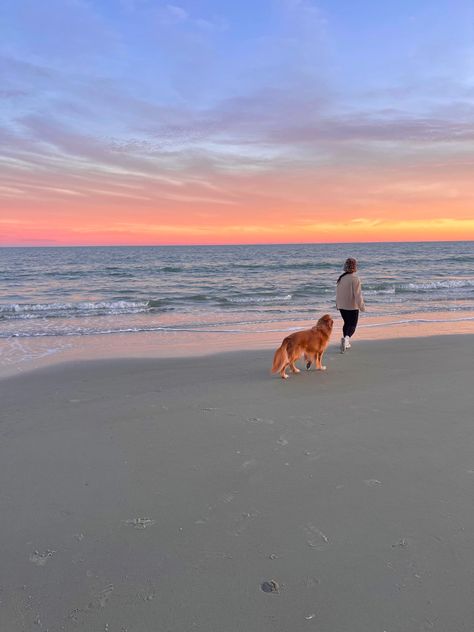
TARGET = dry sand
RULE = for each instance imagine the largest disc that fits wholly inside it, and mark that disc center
(152, 495)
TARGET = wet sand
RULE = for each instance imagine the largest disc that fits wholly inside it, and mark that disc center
(145, 495)
(20, 354)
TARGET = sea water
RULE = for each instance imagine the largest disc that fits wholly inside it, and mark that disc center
(64, 294)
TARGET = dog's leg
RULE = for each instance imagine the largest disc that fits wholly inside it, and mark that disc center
(319, 365)
(283, 374)
(294, 368)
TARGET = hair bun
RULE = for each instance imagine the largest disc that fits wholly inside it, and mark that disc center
(350, 265)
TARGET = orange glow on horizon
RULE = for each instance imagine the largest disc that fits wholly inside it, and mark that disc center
(361, 205)
(128, 233)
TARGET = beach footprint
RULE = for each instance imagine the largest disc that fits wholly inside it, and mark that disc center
(139, 523)
(260, 420)
(104, 595)
(246, 466)
(243, 522)
(40, 559)
(225, 499)
(316, 539)
(373, 482)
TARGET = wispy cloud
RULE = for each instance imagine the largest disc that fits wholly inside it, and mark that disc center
(172, 14)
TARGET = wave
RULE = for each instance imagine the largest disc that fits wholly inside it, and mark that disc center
(307, 290)
(301, 265)
(448, 284)
(216, 328)
(179, 300)
(43, 310)
(249, 300)
(413, 262)
(398, 288)
(107, 271)
(98, 308)
(458, 259)
(227, 298)
(382, 290)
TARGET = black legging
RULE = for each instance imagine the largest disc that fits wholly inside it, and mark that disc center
(350, 318)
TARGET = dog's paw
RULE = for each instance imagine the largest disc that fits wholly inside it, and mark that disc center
(284, 376)
(323, 368)
(295, 370)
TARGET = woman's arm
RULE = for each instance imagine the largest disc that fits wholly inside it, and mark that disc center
(359, 299)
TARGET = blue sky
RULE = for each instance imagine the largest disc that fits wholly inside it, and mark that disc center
(200, 54)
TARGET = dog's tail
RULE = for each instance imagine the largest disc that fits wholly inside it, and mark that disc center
(281, 357)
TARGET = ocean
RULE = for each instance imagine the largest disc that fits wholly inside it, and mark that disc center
(60, 294)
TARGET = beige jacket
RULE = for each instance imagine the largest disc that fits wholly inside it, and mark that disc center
(349, 293)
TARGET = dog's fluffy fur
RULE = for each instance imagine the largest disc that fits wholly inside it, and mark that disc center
(310, 342)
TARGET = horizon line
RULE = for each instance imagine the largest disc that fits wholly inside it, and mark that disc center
(207, 245)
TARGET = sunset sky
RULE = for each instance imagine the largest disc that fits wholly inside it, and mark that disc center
(235, 121)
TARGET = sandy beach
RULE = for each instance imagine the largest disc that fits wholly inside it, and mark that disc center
(150, 495)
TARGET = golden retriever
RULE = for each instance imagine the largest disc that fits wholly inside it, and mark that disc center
(310, 342)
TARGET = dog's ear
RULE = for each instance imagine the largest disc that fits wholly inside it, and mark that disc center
(328, 320)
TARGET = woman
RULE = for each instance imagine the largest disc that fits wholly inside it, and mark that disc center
(349, 301)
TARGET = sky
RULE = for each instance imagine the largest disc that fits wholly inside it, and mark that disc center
(224, 121)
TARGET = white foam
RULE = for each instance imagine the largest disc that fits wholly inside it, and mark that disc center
(437, 285)
(29, 309)
(260, 299)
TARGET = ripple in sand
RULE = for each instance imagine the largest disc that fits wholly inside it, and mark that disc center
(249, 465)
(228, 498)
(403, 542)
(104, 595)
(225, 499)
(40, 559)
(317, 539)
(307, 422)
(372, 482)
(312, 582)
(312, 455)
(243, 522)
(259, 420)
(139, 523)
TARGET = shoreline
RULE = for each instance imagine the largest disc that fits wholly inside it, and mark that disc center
(19, 355)
(243, 356)
(185, 484)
